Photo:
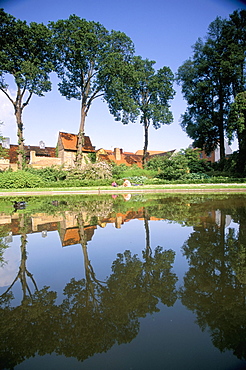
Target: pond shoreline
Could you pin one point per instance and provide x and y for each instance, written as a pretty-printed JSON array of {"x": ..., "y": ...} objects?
[{"x": 180, "y": 188}]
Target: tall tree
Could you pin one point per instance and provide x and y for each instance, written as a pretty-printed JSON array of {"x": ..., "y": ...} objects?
[
  {"x": 25, "y": 54},
  {"x": 89, "y": 60},
  {"x": 234, "y": 36},
  {"x": 205, "y": 89},
  {"x": 210, "y": 79},
  {"x": 149, "y": 93},
  {"x": 237, "y": 125}
]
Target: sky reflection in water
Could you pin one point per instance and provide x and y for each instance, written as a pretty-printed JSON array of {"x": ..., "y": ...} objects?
[{"x": 105, "y": 283}]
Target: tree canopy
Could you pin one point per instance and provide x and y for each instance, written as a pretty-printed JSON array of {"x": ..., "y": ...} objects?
[
  {"x": 148, "y": 95},
  {"x": 211, "y": 79},
  {"x": 89, "y": 61},
  {"x": 237, "y": 125},
  {"x": 25, "y": 54}
]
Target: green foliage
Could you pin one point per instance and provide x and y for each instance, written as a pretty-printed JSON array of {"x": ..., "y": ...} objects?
[
  {"x": 149, "y": 93},
  {"x": 99, "y": 170},
  {"x": 118, "y": 170},
  {"x": 131, "y": 171},
  {"x": 93, "y": 157},
  {"x": 237, "y": 119},
  {"x": 25, "y": 54},
  {"x": 49, "y": 174},
  {"x": 19, "y": 180},
  {"x": 237, "y": 126},
  {"x": 89, "y": 61},
  {"x": 26, "y": 58},
  {"x": 77, "y": 183},
  {"x": 3, "y": 151},
  {"x": 228, "y": 166},
  {"x": 195, "y": 164},
  {"x": 140, "y": 180},
  {"x": 170, "y": 168},
  {"x": 211, "y": 79},
  {"x": 197, "y": 176},
  {"x": 156, "y": 162},
  {"x": 180, "y": 166},
  {"x": 174, "y": 169},
  {"x": 92, "y": 171}
]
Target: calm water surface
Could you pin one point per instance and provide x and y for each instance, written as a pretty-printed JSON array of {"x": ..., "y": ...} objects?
[{"x": 113, "y": 282}]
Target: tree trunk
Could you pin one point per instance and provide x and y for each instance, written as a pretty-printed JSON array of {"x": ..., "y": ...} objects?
[
  {"x": 79, "y": 154},
  {"x": 241, "y": 164},
  {"x": 90, "y": 277},
  {"x": 221, "y": 125},
  {"x": 147, "y": 235},
  {"x": 21, "y": 152},
  {"x": 146, "y": 142}
]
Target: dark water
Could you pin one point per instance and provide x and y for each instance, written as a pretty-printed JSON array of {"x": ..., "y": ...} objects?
[{"x": 146, "y": 282}]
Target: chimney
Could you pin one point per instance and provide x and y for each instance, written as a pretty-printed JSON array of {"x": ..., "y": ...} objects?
[
  {"x": 32, "y": 156},
  {"x": 6, "y": 142},
  {"x": 117, "y": 153},
  {"x": 41, "y": 145}
]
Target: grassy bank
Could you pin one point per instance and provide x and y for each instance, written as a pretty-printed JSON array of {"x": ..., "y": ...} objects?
[{"x": 133, "y": 189}]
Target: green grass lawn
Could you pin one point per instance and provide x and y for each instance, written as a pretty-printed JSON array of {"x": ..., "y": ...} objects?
[{"x": 96, "y": 189}]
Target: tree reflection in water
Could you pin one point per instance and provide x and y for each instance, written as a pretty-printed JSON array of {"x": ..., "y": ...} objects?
[
  {"x": 94, "y": 315},
  {"x": 214, "y": 286}
]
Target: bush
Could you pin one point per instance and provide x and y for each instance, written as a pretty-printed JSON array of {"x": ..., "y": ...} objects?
[
  {"x": 179, "y": 165},
  {"x": 123, "y": 171},
  {"x": 19, "y": 180},
  {"x": 92, "y": 171},
  {"x": 76, "y": 183},
  {"x": 118, "y": 170},
  {"x": 137, "y": 179},
  {"x": 175, "y": 168},
  {"x": 197, "y": 176},
  {"x": 49, "y": 174},
  {"x": 228, "y": 165},
  {"x": 195, "y": 164},
  {"x": 156, "y": 163}
]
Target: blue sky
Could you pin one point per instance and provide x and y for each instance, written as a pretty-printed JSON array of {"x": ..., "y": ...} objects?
[{"x": 161, "y": 30}]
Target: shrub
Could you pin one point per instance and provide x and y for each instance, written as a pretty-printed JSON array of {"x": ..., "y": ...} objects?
[
  {"x": 179, "y": 165},
  {"x": 92, "y": 171},
  {"x": 195, "y": 164},
  {"x": 228, "y": 165},
  {"x": 132, "y": 171},
  {"x": 174, "y": 168},
  {"x": 118, "y": 170},
  {"x": 197, "y": 176},
  {"x": 49, "y": 174},
  {"x": 137, "y": 179},
  {"x": 19, "y": 180},
  {"x": 156, "y": 163},
  {"x": 78, "y": 183}
]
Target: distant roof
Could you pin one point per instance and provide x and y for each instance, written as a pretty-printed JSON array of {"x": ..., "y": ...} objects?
[
  {"x": 150, "y": 152},
  {"x": 72, "y": 235},
  {"x": 126, "y": 158},
  {"x": 69, "y": 142},
  {"x": 163, "y": 154},
  {"x": 45, "y": 152}
]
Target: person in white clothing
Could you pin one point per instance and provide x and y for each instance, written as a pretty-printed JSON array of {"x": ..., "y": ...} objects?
[{"x": 126, "y": 183}]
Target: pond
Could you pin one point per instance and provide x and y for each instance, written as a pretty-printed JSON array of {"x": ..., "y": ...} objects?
[{"x": 123, "y": 282}]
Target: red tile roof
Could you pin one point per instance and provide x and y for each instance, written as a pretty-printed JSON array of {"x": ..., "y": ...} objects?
[
  {"x": 69, "y": 142},
  {"x": 151, "y": 153},
  {"x": 45, "y": 152},
  {"x": 126, "y": 158},
  {"x": 72, "y": 235},
  {"x": 163, "y": 154}
]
